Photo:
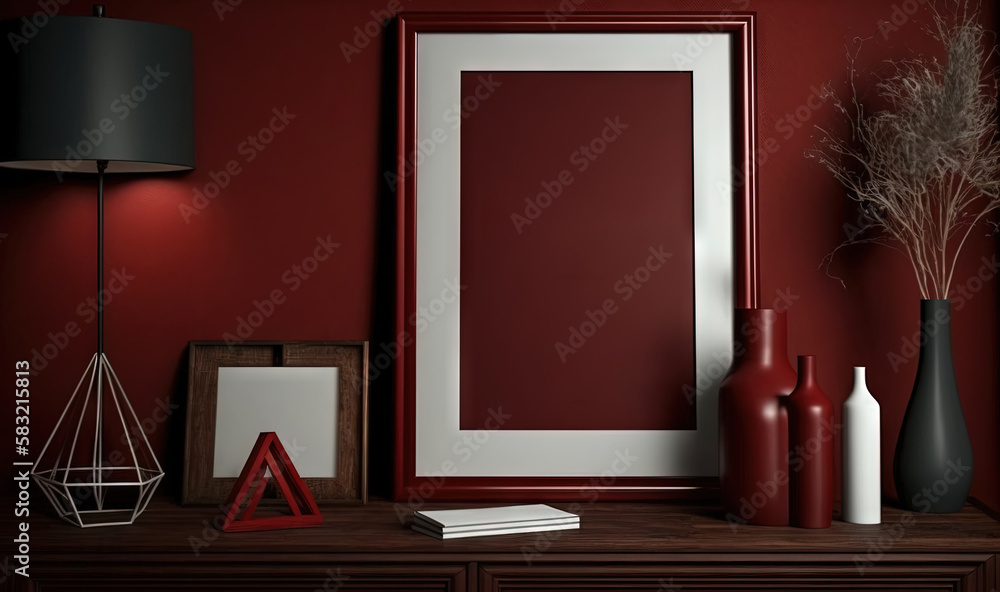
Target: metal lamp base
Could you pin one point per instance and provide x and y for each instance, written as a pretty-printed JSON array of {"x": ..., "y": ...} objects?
[{"x": 84, "y": 487}]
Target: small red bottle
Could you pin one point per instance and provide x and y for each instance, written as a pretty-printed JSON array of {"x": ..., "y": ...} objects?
[{"x": 810, "y": 450}]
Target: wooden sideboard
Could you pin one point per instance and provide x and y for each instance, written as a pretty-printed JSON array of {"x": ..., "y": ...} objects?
[{"x": 620, "y": 547}]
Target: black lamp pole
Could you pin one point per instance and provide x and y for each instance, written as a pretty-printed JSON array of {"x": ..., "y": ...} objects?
[{"x": 101, "y": 166}]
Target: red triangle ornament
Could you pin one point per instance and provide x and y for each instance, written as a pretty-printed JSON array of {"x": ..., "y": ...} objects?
[{"x": 268, "y": 453}]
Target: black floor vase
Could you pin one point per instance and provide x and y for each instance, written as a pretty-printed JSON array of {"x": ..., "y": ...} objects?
[{"x": 933, "y": 465}]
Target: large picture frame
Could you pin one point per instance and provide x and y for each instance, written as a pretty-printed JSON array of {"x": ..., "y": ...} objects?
[
  {"x": 346, "y": 424},
  {"x": 434, "y": 51}
]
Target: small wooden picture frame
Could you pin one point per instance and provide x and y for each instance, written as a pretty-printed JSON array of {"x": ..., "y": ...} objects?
[{"x": 348, "y": 420}]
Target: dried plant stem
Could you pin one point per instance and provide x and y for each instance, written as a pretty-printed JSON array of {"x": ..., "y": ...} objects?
[{"x": 926, "y": 169}]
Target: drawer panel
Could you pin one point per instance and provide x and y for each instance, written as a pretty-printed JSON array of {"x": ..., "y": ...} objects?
[
  {"x": 938, "y": 573},
  {"x": 250, "y": 577}
]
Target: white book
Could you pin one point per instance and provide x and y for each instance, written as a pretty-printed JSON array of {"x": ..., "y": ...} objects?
[
  {"x": 492, "y": 516},
  {"x": 450, "y": 524},
  {"x": 494, "y": 531},
  {"x": 424, "y": 523}
]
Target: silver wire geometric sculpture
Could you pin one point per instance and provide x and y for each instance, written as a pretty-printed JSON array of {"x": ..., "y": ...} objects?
[{"x": 86, "y": 488}]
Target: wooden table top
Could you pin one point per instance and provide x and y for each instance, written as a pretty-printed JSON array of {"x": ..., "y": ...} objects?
[{"x": 606, "y": 528}]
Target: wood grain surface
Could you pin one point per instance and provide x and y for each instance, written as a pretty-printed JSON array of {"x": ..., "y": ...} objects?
[
  {"x": 606, "y": 528},
  {"x": 620, "y": 547}
]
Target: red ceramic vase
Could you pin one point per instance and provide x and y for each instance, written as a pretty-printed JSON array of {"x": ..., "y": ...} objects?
[
  {"x": 753, "y": 429},
  {"x": 810, "y": 450}
]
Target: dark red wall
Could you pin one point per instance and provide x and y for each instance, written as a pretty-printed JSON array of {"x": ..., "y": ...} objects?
[{"x": 320, "y": 177}]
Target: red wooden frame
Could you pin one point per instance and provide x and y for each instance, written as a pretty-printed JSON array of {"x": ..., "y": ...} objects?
[
  {"x": 268, "y": 453},
  {"x": 742, "y": 26}
]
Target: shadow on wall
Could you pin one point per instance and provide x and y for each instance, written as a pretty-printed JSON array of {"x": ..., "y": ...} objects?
[{"x": 381, "y": 356}]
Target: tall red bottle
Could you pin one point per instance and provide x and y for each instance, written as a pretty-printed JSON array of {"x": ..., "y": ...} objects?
[
  {"x": 753, "y": 428},
  {"x": 810, "y": 450}
]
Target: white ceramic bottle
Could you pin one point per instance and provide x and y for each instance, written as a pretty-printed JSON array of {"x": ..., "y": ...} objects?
[{"x": 861, "y": 461}]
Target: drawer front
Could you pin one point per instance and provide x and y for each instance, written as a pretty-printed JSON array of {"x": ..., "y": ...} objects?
[
  {"x": 938, "y": 573},
  {"x": 219, "y": 577}
]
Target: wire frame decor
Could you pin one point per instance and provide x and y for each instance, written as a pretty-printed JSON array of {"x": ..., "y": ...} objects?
[{"x": 97, "y": 468}]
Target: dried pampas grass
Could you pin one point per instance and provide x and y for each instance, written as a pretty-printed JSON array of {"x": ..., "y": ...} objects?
[{"x": 925, "y": 170}]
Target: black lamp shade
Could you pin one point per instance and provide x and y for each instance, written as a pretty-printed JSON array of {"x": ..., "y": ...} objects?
[{"x": 84, "y": 89}]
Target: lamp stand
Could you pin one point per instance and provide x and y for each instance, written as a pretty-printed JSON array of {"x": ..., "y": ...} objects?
[
  {"x": 80, "y": 491},
  {"x": 102, "y": 165}
]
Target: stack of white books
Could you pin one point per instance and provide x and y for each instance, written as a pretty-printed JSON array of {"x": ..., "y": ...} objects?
[{"x": 456, "y": 524}]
